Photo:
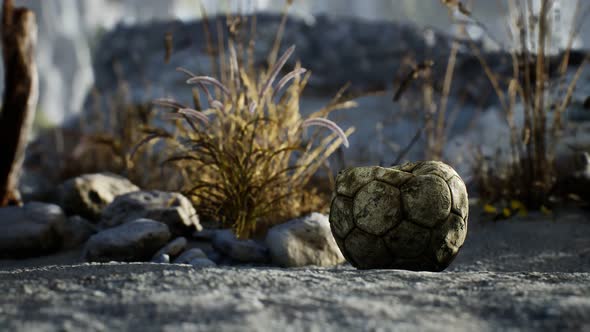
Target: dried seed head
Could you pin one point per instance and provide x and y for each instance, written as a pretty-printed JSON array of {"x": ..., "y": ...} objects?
[
  {"x": 209, "y": 81},
  {"x": 288, "y": 78},
  {"x": 276, "y": 69},
  {"x": 330, "y": 125},
  {"x": 195, "y": 115},
  {"x": 167, "y": 102}
]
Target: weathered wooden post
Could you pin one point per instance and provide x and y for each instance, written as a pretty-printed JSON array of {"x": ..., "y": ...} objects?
[{"x": 19, "y": 38}]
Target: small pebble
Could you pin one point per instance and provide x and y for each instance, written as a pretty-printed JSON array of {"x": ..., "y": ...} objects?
[
  {"x": 202, "y": 263},
  {"x": 189, "y": 255},
  {"x": 161, "y": 259},
  {"x": 172, "y": 249}
]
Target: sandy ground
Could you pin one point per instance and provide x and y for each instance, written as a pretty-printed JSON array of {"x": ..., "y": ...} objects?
[{"x": 522, "y": 274}]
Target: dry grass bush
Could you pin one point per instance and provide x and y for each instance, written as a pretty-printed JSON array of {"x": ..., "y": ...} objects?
[
  {"x": 541, "y": 100},
  {"x": 537, "y": 92},
  {"x": 242, "y": 149}
]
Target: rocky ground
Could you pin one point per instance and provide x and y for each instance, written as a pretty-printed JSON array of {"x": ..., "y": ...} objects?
[
  {"x": 174, "y": 298},
  {"x": 528, "y": 273}
]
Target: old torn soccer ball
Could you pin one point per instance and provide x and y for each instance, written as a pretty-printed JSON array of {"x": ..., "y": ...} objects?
[{"x": 411, "y": 217}]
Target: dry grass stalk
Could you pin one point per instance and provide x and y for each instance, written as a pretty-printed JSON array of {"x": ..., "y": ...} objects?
[
  {"x": 529, "y": 176},
  {"x": 245, "y": 155},
  {"x": 436, "y": 120}
]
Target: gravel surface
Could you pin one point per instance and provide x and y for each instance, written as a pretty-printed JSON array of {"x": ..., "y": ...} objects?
[
  {"x": 531, "y": 274},
  {"x": 150, "y": 297}
]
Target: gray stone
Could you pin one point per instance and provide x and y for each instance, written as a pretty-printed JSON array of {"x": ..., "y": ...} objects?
[
  {"x": 34, "y": 186},
  {"x": 173, "y": 248},
  {"x": 31, "y": 230},
  {"x": 134, "y": 241},
  {"x": 76, "y": 231},
  {"x": 243, "y": 251},
  {"x": 367, "y": 54},
  {"x": 202, "y": 263},
  {"x": 89, "y": 194},
  {"x": 217, "y": 257},
  {"x": 206, "y": 234},
  {"x": 302, "y": 242},
  {"x": 190, "y": 255},
  {"x": 173, "y": 209},
  {"x": 161, "y": 259}
]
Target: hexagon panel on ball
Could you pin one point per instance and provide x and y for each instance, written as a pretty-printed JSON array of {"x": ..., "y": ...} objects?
[{"x": 410, "y": 217}]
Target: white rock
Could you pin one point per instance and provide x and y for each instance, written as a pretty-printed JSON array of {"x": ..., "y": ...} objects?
[
  {"x": 161, "y": 259},
  {"x": 173, "y": 209},
  {"x": 190, "y": 255},
  {"x": 244, "y": 251},
  {"x": 89, "y": 194},
  {"x": 135, "y": 241},
  {"x": 31, "y": 230},
  {"x": 173, "y": 248},
  {"x": 302, "y": 242}
]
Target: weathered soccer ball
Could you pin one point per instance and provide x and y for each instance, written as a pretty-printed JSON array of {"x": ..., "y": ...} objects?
[{"x": 411, "y": 217}]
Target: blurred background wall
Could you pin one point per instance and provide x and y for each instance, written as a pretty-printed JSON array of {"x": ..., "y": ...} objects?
[{"x": 70, "y": 30}]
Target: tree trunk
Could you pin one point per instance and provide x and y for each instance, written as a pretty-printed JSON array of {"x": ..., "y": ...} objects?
[{"x": 19, "y": 37}]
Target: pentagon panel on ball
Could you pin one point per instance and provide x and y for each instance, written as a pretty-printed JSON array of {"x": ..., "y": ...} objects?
[{"x": 411, "y": 217}]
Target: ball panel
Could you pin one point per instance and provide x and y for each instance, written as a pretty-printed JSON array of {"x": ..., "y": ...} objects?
[
  {"x": 407, "y": 240},
  {"x": 459, "y": 196},
  {"x": 407, "y": 167},
  {"x": 455, "y": 229},
  {"x": 448, "y": 238},
  {"x": 444, "y": 255},
  {"x": 393, "y": 177},
  {"x": 437, "y": 168},
  {"x": 341, "y": 217},
  {"x": 377, "y": 208},
  {"x": 342, "y": 246},
  {"x": 426, "y": 200},
  {"x": 350, "y": 180},
  {"x": 367, "y": 251}
]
